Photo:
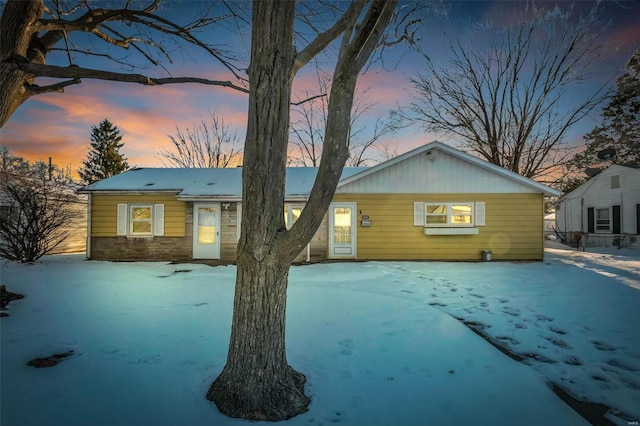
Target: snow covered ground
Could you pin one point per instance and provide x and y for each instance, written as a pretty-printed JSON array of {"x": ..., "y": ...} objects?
[{"x": 378, "y": 341}]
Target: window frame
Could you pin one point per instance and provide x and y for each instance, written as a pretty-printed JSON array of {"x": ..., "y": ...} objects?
[
  {"x": 599, "y": 227},
  {"x": 449, "y": 215},
  {"x": 131, "y": 221},
  {"x": 288, "y": 216}
]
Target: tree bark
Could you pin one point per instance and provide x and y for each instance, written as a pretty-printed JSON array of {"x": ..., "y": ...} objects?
[
  {"x": 17, "y": 37},
  {"x": 257, "y": 383}
]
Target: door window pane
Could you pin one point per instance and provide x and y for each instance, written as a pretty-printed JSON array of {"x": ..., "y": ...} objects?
[
  {"x": 207, "y": 225},
  {"x": 342, "y": 225}
]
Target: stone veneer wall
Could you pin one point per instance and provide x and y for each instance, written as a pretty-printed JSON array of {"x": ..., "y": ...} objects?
[{"x": 150, "y": 248}]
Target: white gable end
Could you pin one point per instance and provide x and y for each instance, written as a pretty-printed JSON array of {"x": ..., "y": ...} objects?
[{"x": 434, "y": 172}]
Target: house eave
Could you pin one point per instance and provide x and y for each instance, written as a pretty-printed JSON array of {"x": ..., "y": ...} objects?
[{"x": 129, "y": 192}]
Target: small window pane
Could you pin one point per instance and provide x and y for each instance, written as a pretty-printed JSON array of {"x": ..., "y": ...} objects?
[
  {"x": 295, "y": 214},
  {"x": 602, "y": 219},
  {"x": 615, "y": 181},
  {"x": 141, "y": 213},
  {"x": 141, "y": 227},
  {"x": 436, "y": 209},
  {"x": 431, "y": 220},
  {"x": 342, "y": 225},
  {"x": 461, "y": 214}
]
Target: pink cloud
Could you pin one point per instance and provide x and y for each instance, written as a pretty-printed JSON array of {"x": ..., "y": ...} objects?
[{"x": 144, "y": 115}]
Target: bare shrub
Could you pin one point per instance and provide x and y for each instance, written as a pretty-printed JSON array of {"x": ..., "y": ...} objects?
[{"x": 33, "y": 215}]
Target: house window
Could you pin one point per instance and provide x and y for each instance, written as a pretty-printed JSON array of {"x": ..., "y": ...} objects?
[
  {"x": 448, "y": 214},
  {"x": 615, "y": 181},
  {"x": 141, "y": 219},
  {"x": 603, "y": 219},
  {"x": 291, "y": 214}
]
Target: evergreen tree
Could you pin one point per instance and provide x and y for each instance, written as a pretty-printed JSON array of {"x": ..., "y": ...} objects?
[
  {"x": 620, "y": 128},
  {"x": 104, "y": 159}
]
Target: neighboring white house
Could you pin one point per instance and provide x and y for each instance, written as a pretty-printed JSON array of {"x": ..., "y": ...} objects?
[{"x": 605, "y": 210}]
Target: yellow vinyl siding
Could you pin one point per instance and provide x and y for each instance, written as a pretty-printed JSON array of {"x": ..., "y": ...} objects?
[
  {"x": 104, "y": 213},
  {"x": 513, "y": 230}
]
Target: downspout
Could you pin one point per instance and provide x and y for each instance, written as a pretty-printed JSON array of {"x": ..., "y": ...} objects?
[
  {"x": 582, "y": 214},
  {"x": 88, "y": 248}
]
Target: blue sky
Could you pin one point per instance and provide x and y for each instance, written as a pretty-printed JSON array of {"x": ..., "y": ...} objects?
[{"x": 59, "y": 125}]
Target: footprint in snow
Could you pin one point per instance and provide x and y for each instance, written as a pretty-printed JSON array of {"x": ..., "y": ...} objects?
[
  {"x": 557, "y": 342},
  {"x": 603, "y": 346},
  {"x": 572, "y": 360},
  {"x": 557, "y": 330},
  {"x": 543, "y": 318},
  {"x": 508, "y": 339},
  {"x": 511, "y": 311},
  {"x": 621, "y": 365},
  {"x": 347, "y": 346}
]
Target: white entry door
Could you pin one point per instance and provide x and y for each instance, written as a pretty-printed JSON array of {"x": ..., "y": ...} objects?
[
  {"x": 206, "y": 230},
  {"x": 342, "y": 231}
]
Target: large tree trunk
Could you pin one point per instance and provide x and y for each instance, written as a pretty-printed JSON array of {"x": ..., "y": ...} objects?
[
  {"x": 257, "y": 382},
  {"x": 19, "y": 19}
]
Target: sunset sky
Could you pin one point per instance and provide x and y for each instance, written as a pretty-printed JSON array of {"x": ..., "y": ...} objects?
[{"x": 59, "y": 125}]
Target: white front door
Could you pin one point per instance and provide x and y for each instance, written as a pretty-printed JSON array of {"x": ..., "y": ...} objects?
[
  {"x": 206, "y": 230},
  {"x": 342, "y": 231}
]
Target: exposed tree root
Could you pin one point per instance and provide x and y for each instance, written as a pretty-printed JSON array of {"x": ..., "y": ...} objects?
[{"x": 255, "y": 400}]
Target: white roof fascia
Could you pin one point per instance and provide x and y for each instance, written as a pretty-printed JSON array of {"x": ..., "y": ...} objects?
[
  {"x": 212, "y": 198},
  {"x": 129, "y": 192},
  {"x": 460, "y": 155}
]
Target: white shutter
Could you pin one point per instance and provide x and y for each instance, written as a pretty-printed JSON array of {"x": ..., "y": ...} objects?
[
  {"x": 123, "y": 219},
  {"x": 479, "y": 214},
  {"x": 418, "y": 214},
  {"x": 158, "y": 220}
]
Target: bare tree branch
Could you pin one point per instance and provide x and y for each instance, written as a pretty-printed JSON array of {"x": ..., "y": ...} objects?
[
  {"x": 77, "y": 72},
  {"x": 204, "y": 145},
  {"x": 29, "y": 31},
  {"x": 505, "y": 100}
]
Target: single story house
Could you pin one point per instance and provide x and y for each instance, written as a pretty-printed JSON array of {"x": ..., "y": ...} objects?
[
  {"x": 434, "y": 202},
  {"x": 604, "y": 211}
]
